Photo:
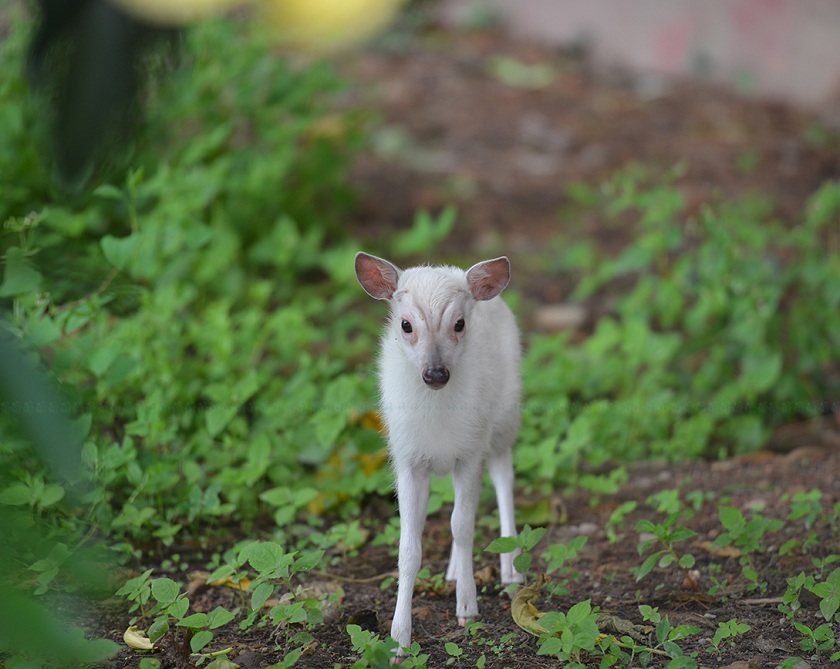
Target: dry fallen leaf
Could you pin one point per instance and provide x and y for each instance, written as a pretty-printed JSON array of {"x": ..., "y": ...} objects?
[
  {"x": 137, "y": 639},
  {"x": 523, "y": 608},
  {"x": 722, "y": 551},
  {"x": 487, "y": 575},
  {"x": 610, "y": 624},
  {"x": 198, "y": 581}
]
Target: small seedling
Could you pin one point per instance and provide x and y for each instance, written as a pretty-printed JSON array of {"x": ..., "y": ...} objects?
[
  {"x": 726, "y": 634},
  {"x": 667, "y": 534}
]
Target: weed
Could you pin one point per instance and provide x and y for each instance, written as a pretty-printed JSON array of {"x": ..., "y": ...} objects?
[
  {"x": 616, "y": 519},
  {"x": 727, "y": 634},
  {"x": 667, "y": 534}
]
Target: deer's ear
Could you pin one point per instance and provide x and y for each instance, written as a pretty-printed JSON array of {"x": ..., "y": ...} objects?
[
  {"x": 489, "y": 278},
  {"x": 378, "y": 277}
]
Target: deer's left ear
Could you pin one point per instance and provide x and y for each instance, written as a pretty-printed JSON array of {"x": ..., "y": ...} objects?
[{"x": 488, "y": 278}]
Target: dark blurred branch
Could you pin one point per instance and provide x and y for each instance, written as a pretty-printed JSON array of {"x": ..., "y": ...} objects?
[{"x": 88, "y": 53}]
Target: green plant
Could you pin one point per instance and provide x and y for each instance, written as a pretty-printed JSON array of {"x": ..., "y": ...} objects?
[
  {"x": 707, "y": 348},
  {"x": 558, "y": 557},
  {"x": 170, "y": 611},
  {"x": 425, "y": 233},
  {"x": 570, "y": 634},
  {"x": 617, "y": 517},
  {"x": 524, "y": 542},
  {"x": 748, "y": 537},
  {"x": 726, "y": 633},
  {"x": 667, "y": 534},
  {"x": 376, "y": 653}
]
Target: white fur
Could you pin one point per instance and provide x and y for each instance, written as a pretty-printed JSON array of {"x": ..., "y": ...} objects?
[{"x": 472, "y": 418}]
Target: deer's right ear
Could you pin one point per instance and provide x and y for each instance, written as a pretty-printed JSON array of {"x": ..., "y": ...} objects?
[{"x": 378, "y": 277}]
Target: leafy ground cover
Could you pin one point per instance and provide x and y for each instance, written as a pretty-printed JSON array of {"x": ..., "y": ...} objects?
[{"x": 198, "y": 309}]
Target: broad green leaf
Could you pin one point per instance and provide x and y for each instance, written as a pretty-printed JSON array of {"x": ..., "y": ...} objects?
[
  {"x": 52, "y": 494},
  {"x": 200, "y": 639},
  {"x": 17, "y": 494},
  {"x": 503, "y": 545},
  {"x": 218, "y": 617},
  {"x": 270, "y": 560},
  {"x": 731, "y": 518},
  {"x": 118, "y": 250},
  {"x": 195, "y": 621},
  {"x": 260, "y": 595},
  {"x": 42, "y": 331},
  {"x": 158, "y": 628},
  {"x": 580, "y": 611},
  {"x": 528, "y": 537},
  {"x": 165, "y": 590},
  {"x": 307, "y": 561},
  {"x": 178, "y": 608},
  {"x": 522, "y": 563},
  {"x": 19, "y": 276},
  {"x": 453, "y": 649}
]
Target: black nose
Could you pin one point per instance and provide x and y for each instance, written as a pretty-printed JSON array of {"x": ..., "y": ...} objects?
[{"x": 436, "y": 377}]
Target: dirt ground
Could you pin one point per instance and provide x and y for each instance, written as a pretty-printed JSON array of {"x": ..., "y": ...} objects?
[{"x": 452, "y": 132}]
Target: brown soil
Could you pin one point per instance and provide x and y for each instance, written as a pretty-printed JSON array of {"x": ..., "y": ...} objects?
[{"x": 505, "y": 156}]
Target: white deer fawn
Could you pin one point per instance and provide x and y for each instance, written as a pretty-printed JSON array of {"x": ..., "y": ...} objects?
[{"x": 449, "y": 373}]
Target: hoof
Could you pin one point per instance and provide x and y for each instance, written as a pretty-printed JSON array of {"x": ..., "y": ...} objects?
[{"x": 462, "y": 621}]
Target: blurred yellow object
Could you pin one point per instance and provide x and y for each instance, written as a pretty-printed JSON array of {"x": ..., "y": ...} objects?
[
  {"x": 327, "y": 26},
  {"x": 175, "y": 12}
]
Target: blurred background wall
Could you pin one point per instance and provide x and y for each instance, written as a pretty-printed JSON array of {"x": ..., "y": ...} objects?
[{"x": 779, "y": 48}]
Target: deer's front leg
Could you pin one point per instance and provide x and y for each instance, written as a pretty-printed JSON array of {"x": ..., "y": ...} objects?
[
  {"x": 413, "y": 500},
  {"x": 466, "y": 480},
  {"x": 501, "y": 473}
]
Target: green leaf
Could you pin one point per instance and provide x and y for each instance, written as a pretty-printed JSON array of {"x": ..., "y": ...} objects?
[
  {"x": 553, "y": 622},
  {"x": 687, "y": 561},
  {"x": 52, "y": 494},
  {"x": 270, "y": 560},
  {"x": 157, "y": 629},
  {"x": 19, "y": 277},
  {"x": 550, "y": 646},
  {"x": 260, "y": 595},
  {"x": 118, "y": 250},
  {"x": 42, "y": 331},
  {"x": 17, "y": 494},
  {"x": 522, "y": 563},
  {"x": 648, "y": 565},
  {"x": 453, "y": 649},
  {"x": 307, "y": 561},
  {"x": 731, "y": 518},
  {"x": 528, "y": 538},
  {"x": 178, "y": 608},
  {"x": 109, "y": 192},
  {"x": 579, "y": 611},
  {"x": 503, "y": 545},
  {"x": 195, "y": 621},
  {"x": 165, "y": 590},
  {"x": 200, "y": 640},
  {"x": 218, "y": 617}
]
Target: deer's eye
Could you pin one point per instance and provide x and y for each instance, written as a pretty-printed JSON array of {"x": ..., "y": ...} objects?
[
  {"x": 459, "y": 325},
  {"x": 406, "y": 327}
]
